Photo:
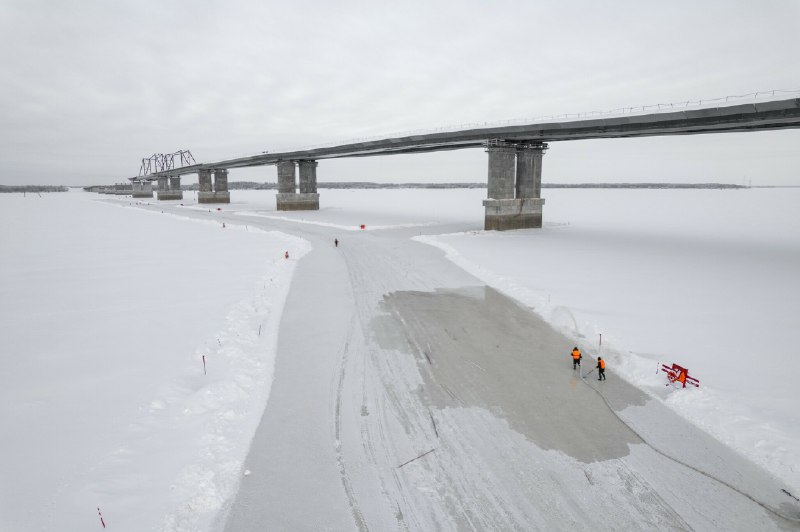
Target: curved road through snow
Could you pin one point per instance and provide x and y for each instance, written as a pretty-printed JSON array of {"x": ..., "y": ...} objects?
[{"x": 410, "y": 396}]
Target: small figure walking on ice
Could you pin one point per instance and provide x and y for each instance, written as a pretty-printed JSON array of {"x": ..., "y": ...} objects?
[
  {"x": 286, "y": 255},
  {"x": 576, "y": 357},
  {"x": 601, "y": 369},
  {"x": 336, "y": 242}
]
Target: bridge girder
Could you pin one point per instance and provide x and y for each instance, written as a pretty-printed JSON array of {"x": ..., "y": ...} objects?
[{"x": 783, "y": 114}]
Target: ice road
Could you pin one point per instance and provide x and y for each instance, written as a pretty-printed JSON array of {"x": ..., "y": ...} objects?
[{"x": 408, "y": 395}]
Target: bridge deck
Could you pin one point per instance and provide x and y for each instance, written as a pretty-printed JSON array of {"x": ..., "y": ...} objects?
[{"x": 737, "y": 118}]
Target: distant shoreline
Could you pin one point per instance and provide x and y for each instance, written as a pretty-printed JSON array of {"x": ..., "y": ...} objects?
[
  {"x": 244, "y": 185},
  {"x": 32, "y": 188},
  {"x": 251, "y": 185}
]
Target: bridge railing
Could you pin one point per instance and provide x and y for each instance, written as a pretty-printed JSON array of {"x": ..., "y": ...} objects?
[
  {"x": 722, "y": 101},
  {"x": 620, "y": 111}
]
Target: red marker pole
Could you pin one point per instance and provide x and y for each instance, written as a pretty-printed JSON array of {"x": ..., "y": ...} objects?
[
  {"x": 101, "y": 518},
  {"x": 204, "y": 365}
]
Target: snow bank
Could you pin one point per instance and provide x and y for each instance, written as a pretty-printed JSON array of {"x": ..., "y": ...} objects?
[{"x": 107, "y": 316}]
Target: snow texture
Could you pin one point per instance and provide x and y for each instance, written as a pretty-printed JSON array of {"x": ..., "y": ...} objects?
[
  {"x": 107, "y": 314},
  {"x": 109, "y": 306}
]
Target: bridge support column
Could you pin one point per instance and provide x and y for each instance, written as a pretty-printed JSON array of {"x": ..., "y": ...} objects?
[
  {"x": 165, "y": 190},
  {"x": 514, "y": 186},
  {"x": 308, "y": 198},
  {"x": 204, "y": 181},
  {"x": 288, "y": 199},
  {"x": 175, "y": 187},
  {"x": 502, "y": 158},
  {"x": 142, "y": 189},
  {"x": 169, "y": 188},
  {"x": 220, "y": 193},
  {"x": 538, "y": 149},
  {"x": 308, "y": 176}
]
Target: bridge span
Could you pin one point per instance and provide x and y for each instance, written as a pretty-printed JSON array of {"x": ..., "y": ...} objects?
[{"x": 515, "y": 156}]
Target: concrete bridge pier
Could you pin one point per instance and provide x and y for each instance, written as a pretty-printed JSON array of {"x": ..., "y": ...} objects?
[
  {"x": 123, "y": 189},
  {"x": 219, "y": 192},
  {"x": 142, "y": 189},
  {"x": 288, "y": 199},
  {"x": 169, "y": 188},
  {"x": 514, "y": 185}
]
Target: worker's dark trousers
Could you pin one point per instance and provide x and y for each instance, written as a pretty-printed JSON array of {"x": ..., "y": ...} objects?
[
  {"x": 602, "y": 374},
  {"x": 576, "y": 362}
]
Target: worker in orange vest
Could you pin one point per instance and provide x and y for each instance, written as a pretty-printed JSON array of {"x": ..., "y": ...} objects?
[
  {"x": 601, "y": 369},
  {"x": 576, "y": 357}
]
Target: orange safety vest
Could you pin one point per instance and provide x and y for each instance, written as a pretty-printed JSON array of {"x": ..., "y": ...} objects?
[
  {"x": 602, "y": 364},
  {"x": 576, "y": 354}
]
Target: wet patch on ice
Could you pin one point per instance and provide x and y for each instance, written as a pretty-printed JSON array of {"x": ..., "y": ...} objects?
[{"x": 477, "y": 347}]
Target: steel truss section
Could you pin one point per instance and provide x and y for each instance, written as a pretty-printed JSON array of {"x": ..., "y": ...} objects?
[{"x": 161, "y": 162}]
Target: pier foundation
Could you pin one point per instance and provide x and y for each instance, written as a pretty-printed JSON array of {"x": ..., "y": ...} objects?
[
  {"x": 123, "y": 189},
  {"x": 514, "y": 185},
  {"x": 142, "y": 189},
  {"x": 169, "y": 188},
  {"x": 287, "y": 198},
  {"x": 219, "y": 193}
]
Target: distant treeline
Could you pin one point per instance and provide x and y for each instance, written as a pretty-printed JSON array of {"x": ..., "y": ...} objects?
[
  {"x": 250, "y": 185},
  {"x": 32, "y": 188}
]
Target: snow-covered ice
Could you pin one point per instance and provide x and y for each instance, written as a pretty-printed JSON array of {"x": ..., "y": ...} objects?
[
  {"x": 107, "y": 312},
  {"x": 108, "y": 307}
]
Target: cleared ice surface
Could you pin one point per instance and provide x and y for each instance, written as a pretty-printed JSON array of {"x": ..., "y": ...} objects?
[
  {"x": 412, "y": 397},
  {"x": 704, "y": 278}
]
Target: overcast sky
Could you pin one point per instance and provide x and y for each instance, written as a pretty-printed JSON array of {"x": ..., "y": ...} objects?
[{"x": 90, "y": 88}]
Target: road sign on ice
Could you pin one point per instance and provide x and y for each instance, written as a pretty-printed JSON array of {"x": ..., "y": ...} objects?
[{"x": 680, "y": 375}]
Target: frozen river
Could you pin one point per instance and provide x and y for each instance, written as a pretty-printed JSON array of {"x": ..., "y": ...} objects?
[{"x": 406, "y": 390}]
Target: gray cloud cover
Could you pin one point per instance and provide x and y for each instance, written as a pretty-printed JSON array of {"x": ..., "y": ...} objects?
[{"x": 89, "y": 88}]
